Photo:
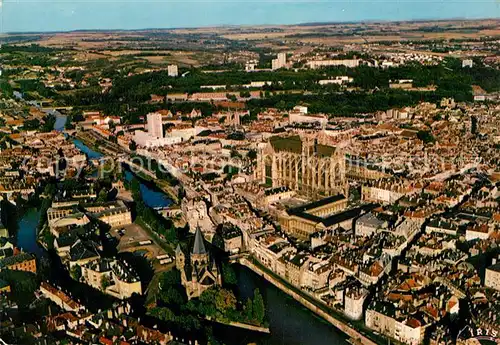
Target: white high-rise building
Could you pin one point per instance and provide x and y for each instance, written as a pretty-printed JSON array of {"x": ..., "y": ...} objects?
[
  {"x": 279, "y": 62},
  {"x": 172, "y": 70},
  {"x": 282, "y": 58},
  {"x": 154, "y": 125}
]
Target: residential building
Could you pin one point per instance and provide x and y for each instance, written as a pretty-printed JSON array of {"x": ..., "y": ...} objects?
[
  {"x": 368, "y": 224},
  {"x": 113, "y": 213},
  {"x": 296, "y": 117},
  {"x": 155, "y": 125},
  {"x": 306, "y": 222},
  {"x": 354, "y": 300},
  {"x": 279, "y": 62},
  {"x": 20, "y": 262},
  {"x": 172, "y": 71},
  {"x": 381, "y": 317},
  {"x": 60, "y": 298},
  {"x": 4, "y": 287},
  {"x": 467, "y": 63},
  {"x": 113, "y": 277},
  {"x": 492, "y": 276},
  {"x": 351, "y": 63}
]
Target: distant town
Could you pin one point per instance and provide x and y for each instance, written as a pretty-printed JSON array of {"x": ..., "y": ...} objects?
[{"x": 307, "y": 184}]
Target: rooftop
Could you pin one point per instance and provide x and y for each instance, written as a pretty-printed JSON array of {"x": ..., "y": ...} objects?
[{"x": 16, "y": 259}]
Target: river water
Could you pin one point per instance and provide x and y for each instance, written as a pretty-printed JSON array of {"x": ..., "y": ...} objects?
[
  {"x": 27, "y": 232},
  {"x": 91, "y": 154},
  {"x": 152, "y": 196},
  {"x": 60, "y": 121},
  {"x": 28, "y": 222},
  {"x": 289, "y": 322}
]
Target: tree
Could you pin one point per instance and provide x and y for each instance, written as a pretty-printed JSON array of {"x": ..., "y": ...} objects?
[
  {"x": 426, "y": 137},
  {"x": 76, "y": 272},
  {"x": 225, "y": 301},
  {"x": 69, "y": 123},
  {"x": 473, "y": 127},
  {"x": 105, "y": 282},
  {"x": 228, "y": 275},
  {"x": 23, "y": 286},
  {"x": 48, "y": 124},
  {"x": 163, "y": 313},
  {"x": 171, "y": 234},
  {"x": 135, "y": 187},
  {"x": 77, "y": 115},
  {"x": 171, "y": 296},
  {"x": 252, "y": 154},
  {"x": 258, "y": 308},
  {"x": 103, "y": 195},
  {"x": 248, "y": 309},
  {"x": 245, "y": 94},
  {"x": 171, "y": 291},
  {"x": 31, "y": 124},
  {"x": 235, "y": 154}
]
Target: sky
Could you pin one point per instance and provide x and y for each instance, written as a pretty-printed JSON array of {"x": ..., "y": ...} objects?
[{"x": 66, "y": 15}]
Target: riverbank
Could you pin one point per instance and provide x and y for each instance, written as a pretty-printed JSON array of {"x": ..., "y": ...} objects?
[
  {"x": 242, "y": 325},
  {"x": 160, "y": 184},
  {"x": 91, "y": 154},
  {"x": 165, "y": 187},
  {"x": 306, "y": 301},
  {"x": 93, "y": 140}
]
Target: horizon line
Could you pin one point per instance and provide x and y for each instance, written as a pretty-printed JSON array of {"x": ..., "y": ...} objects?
[{"x": 319, "y": 23}]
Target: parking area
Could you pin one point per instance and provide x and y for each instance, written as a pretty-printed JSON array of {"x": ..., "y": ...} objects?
[{"x": 133, "y": 238}]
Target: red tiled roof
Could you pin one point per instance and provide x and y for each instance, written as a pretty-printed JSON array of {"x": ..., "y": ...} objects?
[{"x": 105, "y": 341}]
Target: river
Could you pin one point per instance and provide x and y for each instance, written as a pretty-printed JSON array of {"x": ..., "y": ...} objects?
[
  {"x": 28, "y": 223},
  {"x": 91, "y": 154},
  {"x": 60, "y": 121},
  {"x": 152, "y": 196},
  {"x": 290, "y": 323},
  {"x": 27, "y": 232}
]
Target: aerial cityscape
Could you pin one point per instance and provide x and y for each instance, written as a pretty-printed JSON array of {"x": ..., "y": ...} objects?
[{"x": 319, "y": 182}]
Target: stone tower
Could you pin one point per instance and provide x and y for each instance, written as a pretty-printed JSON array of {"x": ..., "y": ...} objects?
[
  {"x": 199, "y": 255},
  {"x": 180, "y": 258}
]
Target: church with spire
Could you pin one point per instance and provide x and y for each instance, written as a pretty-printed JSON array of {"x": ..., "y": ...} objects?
[{"x": 199, "y": 272}]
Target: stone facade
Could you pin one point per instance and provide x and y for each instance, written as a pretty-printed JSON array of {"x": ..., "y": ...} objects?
[
  {"x": 303, "y": 165},
  {"x": 492, "y": 277},
  {"x": 199, "y": 273}
]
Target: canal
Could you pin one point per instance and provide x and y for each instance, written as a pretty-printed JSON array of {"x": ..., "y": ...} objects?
[{"x": 290, "y": 323}]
